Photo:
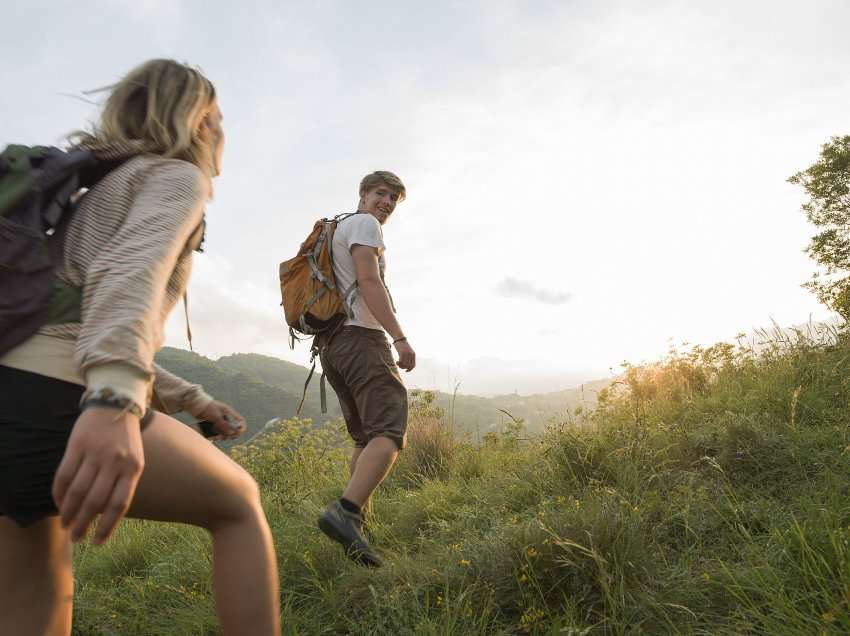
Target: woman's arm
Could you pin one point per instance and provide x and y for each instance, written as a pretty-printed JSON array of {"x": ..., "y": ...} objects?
[
  {"x": 176, "y": 394},
  {"x": 124, "y": 287}
]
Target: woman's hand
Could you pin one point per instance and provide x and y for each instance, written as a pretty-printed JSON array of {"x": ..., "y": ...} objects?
[
  {"x": 99, "y": 472},
  {"x": 227, "y": 420}
]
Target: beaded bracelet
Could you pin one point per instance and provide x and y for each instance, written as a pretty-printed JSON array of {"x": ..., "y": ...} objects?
[{"x": 107, "y": 397}]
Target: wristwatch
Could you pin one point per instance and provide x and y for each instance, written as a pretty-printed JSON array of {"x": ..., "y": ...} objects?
[{"x": 109, "y": 398}]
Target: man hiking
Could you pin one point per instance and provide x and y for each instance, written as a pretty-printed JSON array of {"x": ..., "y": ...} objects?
[{"x": 358, "y": 361}]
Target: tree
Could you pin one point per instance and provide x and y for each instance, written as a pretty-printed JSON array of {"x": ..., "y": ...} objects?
[{"x": 827, "y": 183}]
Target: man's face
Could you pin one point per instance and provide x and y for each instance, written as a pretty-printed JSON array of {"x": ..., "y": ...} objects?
[{"x": 380, "y": 202}]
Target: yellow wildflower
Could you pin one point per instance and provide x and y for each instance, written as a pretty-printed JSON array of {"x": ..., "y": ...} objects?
[
  {"x": 529, "y": 618},
  {"x": 464, "y": 562}
]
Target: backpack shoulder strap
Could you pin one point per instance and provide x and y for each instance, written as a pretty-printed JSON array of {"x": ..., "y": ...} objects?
[
  {"x": 16, "y": 176},
  {"x": 345, "y": 215}
]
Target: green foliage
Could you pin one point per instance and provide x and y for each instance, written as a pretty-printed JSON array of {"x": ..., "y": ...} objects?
[
  {"x": 827, "y": 184},
  {"x": 709, "y": 497},
  {"x": 430, "y": 444},
  {"x": 289, "y": 460}
]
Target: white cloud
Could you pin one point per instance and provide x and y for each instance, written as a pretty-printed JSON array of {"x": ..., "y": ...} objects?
[{"x": 513, "y": 288}]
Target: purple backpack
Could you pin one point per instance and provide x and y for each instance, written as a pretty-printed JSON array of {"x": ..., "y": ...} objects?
[{"x": 37, "y": 194}]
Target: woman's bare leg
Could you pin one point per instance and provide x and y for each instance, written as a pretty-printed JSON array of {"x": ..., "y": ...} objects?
[
  {"x": 36, "y": 583},
  {"x": 186, "y": 479}
]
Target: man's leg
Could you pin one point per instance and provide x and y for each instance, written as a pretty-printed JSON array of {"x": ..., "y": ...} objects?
[
  {"x": 354, "y": 457},
  {"x": 369, "y": 468},
  {"x": 365, "y": 509},
  {"x": 381, "y": 403},
  {"x": 342, "y": 520},
  {"x": 373, "y": 399}
]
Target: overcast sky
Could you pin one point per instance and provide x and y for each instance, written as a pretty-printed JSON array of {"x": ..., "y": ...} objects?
[{"x": 587, "y": 181}]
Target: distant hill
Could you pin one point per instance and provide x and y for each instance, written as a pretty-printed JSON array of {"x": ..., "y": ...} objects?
[
  {"x": 275, "y": 372},
  {"x": 259, "y": 387},
  {"x": 479, "y": 415},
  {"x": 262, "y": 387}
]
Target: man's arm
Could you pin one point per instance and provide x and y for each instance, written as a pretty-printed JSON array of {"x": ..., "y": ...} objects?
[{"x": 375, "y": 296}]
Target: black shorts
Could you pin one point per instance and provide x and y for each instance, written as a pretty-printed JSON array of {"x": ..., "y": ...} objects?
[{"x": 37, "y": 414}]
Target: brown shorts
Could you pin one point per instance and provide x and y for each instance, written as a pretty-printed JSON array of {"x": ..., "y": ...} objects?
[{"x": 359, "y": 364}]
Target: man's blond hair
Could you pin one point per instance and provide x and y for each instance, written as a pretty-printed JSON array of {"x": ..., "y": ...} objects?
[
  {"x": 383, "y": 177},
  {"x": 158, "y": 107}
]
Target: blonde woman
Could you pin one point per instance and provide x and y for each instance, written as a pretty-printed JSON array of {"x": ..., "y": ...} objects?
[{"x": 77, "y": 436}]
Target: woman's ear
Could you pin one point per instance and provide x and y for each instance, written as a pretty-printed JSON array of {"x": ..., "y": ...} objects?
[{"x": 204, "y": 128}]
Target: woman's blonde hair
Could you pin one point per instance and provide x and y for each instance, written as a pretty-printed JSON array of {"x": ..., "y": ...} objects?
[{"x": 158, "y": 107}]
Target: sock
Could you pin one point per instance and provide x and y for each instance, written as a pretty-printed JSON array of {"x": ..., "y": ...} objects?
[{"x": 350, "y": 506}]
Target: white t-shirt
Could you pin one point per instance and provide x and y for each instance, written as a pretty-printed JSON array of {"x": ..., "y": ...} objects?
[{"x": 359, "y": 229}]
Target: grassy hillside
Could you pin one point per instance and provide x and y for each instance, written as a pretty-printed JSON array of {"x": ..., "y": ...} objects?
[
  {"x": 709, "y": 496},
  {"x": 262, "y": 387}
]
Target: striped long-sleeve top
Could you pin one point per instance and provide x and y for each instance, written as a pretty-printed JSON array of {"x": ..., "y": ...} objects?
[{"x": 129, "y": 248}]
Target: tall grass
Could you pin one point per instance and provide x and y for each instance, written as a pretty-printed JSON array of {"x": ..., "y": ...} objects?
[{"x": 709, "y": 497}]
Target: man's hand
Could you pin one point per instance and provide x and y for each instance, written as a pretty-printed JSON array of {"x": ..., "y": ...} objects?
[
  {"x": 406, "y": 355},
  {"x": 227, "y": 420},
  {"x": 99, "y": 472}
]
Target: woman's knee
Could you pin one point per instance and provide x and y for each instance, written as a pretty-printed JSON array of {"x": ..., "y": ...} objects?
[
  {"x": 240, "y": 501},
  {"x": 248, "y": 489}
]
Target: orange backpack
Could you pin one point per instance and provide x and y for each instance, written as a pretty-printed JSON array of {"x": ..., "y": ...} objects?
[{"x": 312, "y": 303}]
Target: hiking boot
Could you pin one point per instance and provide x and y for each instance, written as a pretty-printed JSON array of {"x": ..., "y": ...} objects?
[{"x": 345, "y": 528}]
